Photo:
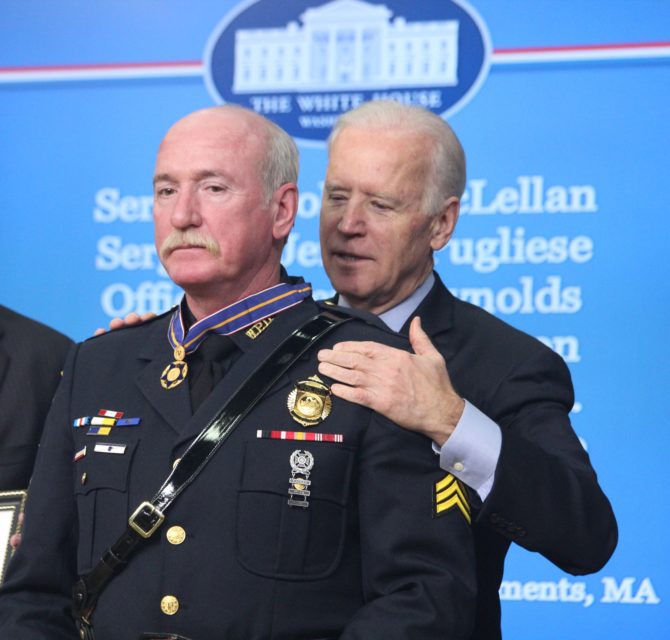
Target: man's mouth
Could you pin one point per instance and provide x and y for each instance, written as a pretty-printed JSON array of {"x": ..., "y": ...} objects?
[
  {"x": 181, "y": 247},
  {"x": 187, "y": 246},
  {"x": 347, "y": 257}
]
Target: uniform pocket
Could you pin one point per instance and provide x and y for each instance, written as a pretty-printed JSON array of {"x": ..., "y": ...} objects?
[
  {"x": 101, "y": 490},
  {"x": 276, "y": 540}
]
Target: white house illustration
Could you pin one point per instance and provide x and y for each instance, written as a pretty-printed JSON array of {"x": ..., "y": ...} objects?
[{"x": 346, "y": 44}]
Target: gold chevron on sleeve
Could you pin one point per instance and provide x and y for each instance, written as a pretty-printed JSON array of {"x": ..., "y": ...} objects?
[{"x": 449, "y": 495}]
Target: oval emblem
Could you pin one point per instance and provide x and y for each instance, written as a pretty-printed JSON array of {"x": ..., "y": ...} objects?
[{"x": 303, "y": 63}]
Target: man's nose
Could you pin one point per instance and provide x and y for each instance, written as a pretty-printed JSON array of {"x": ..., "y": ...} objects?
[
  {"x": 186, "y": 211},
  {"x": 352, "y": 221}
]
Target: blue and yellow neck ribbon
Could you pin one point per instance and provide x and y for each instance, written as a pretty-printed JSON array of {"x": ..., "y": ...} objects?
[{"x": 226, "y": 321}]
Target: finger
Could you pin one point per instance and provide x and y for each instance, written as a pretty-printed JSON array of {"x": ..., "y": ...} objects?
[
  {"x": 347, "y": 376},
  {"x": 99, "y": 331},
  {"x": 354, "y": 394},
  {"x": 347, "y": 359},
  {"x": 15, "y": 541},
  {"x": 116, "y": 323},
  {"x": 418, "y": 338},
  {"x": 132, "y": 318},
  {"x": 363, "y": 347},
  {"x": 147, "y": 316}
]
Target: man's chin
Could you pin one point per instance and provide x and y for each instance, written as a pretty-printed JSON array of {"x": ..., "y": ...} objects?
[
  {"x": 351, "y": 288},
  {"x": 189, "y": 278}
]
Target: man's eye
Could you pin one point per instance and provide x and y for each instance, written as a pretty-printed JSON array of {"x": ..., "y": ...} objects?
[
  {"x": 165, "y": 191},
  {"x": 380, "y": 206}
]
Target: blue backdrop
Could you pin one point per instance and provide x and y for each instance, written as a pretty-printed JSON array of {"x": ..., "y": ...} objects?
[{"x": 562, "y": 109}]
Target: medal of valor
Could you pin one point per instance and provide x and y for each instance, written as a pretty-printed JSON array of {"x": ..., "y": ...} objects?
[
  {"x": 255, "y": 310},
  {"x": 301, "y": 465},
  {"x": 310, "y": 402},
  {"x": 175, "y": 373}
]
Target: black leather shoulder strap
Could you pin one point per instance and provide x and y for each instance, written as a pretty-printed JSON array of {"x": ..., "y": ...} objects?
[{"x": 149, "y": 515}]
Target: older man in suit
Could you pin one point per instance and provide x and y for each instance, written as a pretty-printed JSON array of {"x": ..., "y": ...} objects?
[{"x": 498, "y": 409}]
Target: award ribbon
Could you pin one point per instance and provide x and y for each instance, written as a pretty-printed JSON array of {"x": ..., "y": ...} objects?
[{"x": 226, "y": 321}]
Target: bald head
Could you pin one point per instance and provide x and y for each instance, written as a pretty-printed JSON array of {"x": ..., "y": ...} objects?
[{"x": 273, "y": 151}]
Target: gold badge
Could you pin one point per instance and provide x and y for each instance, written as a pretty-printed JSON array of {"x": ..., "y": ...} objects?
[{"x": 310, "y": 402}]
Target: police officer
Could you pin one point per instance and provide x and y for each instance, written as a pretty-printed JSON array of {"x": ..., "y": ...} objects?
[{"x": 315, "y": 517}]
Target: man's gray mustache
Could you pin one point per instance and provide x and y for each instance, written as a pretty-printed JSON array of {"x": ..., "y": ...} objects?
[{"x": 189, "y": 238}]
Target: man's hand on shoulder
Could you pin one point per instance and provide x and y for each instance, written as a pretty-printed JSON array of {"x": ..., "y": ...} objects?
[
  {"x": 119, "y": 323},
  {"x": 411, "y": 389}
]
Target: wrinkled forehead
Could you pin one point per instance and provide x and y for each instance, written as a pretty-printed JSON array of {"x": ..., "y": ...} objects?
[
  {"x": 379, "y": 153},
  {"x": 410, "y": 139},
  {"x": 218, "y": 127}
]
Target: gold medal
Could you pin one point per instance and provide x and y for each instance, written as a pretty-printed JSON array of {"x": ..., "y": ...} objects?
[
  {"x": 254, "y": 313},
  {"x": 174, "y": 374},
  {"x": 310, "y": 402}
]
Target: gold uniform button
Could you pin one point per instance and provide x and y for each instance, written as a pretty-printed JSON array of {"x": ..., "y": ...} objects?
[
  {"x": 169, "y": 605},
  {"x": 84, "y": 477},
  {"x": 176, "y": 462},
  {"x": 176, "y": 535}
]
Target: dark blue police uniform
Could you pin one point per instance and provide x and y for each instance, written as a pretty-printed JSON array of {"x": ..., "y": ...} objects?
[{"x": 370, "y": 556}]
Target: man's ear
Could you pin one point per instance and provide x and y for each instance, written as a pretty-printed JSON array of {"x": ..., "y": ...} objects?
[
  {"x": 284, "y": 210},
  {"x": 444, "y": 223}
]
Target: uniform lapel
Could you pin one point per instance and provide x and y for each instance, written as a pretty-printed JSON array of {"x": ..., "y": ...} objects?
[
  {"x": 436, "y": 310},
  {"x": 174, "y": 405}
]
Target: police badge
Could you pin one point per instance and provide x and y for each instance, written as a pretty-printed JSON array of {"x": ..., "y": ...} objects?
[{"x": 310, "y": 402}]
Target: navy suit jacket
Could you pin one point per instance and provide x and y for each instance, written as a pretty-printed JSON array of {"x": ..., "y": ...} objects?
[
  {"x": 369, "y": 558},
  {"x": 545, "y": 496},
  {"x": 31, "y": 359}
]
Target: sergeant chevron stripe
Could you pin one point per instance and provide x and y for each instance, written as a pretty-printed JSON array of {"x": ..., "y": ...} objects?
[{"x": 450, "y": 494}]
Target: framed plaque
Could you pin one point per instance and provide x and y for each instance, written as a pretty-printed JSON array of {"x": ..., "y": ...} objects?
[{"x": 11, "y": 505}]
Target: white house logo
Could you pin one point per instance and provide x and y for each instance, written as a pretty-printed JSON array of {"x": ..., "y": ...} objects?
[{"x": 302, "y": 63}]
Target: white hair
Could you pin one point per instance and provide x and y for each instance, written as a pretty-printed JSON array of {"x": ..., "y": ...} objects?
[{"x": 446, "y": 177}]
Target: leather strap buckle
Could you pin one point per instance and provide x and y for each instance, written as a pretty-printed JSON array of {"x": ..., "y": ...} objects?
[
  {"x": 146, "y": 519},
  {"x": 85, "y": 630}
]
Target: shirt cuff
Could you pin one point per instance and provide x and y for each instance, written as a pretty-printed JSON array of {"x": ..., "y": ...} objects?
[{"x": 471, "y": 453}]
